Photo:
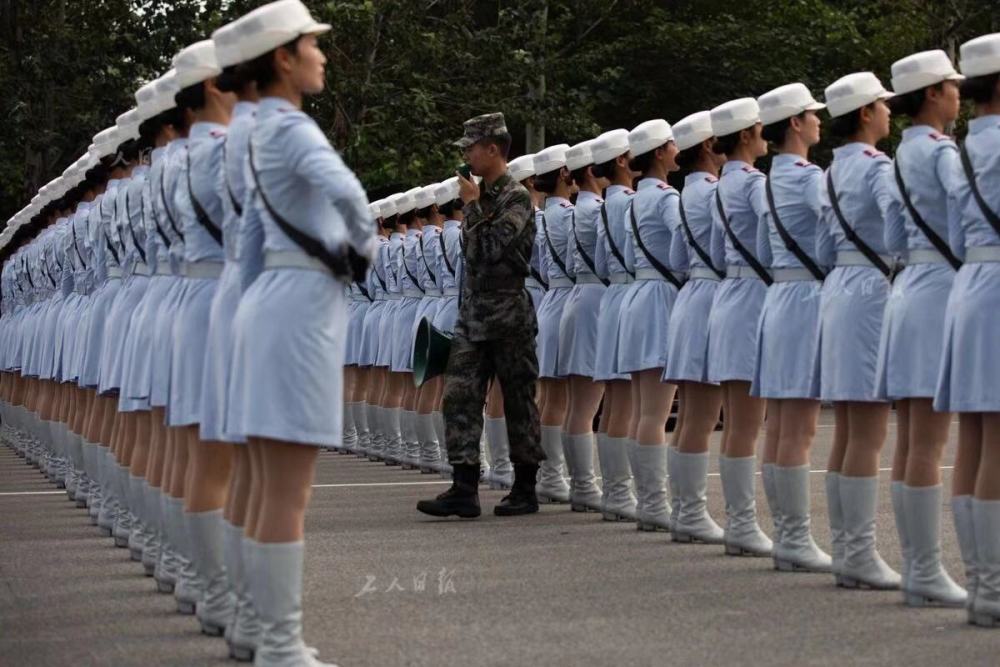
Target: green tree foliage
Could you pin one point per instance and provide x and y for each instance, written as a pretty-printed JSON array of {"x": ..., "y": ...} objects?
[{"x": 403, "y": 74}]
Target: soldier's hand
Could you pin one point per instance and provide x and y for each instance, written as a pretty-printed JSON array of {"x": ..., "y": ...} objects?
[{"x": 468, "y": 189}]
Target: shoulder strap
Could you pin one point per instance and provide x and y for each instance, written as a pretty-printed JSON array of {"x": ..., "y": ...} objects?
[
  {"x": 166, "y": 205},
  {"x": 698, "y": 250},
  {"x": 381, "y": 280},
  {"x": 427, "y": 266},
  {"x": 76, "y": 246},
  {"x": 747, "y": 256},
  {"x": 657, "y": 264},
  {"x": 611, "y": 240},
  {"x": 406, "y": 267},
  {"x": 199, "y": 210},
  {"x": 338, "y": 264},
  {"x": 552, "y": 250},
  {"x": 444, "y": 254},
  {"x": 970, "y": 174},
  {"x": 583, "y": 253},
  {"x": 790, "y": 243},
  {"x": 107, "y": 237},
  {"x": 851, "y": 235},
  {"x": 225, "y": 177},
  {"x": 131, "y": 229},
  {"x": 939, "y": 243}
]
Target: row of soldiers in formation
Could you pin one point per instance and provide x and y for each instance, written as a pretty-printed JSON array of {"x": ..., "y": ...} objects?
[{"x": 174, "y": 355}]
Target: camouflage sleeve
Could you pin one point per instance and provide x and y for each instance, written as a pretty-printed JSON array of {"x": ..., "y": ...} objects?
[{"x": 511, "y": 214}]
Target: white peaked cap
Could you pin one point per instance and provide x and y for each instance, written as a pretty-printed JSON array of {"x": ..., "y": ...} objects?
[
  {"x": 424, "y": 197},
  {"x": 268, "y": 27},
  {"x": 609, "y": 145},
  {"x": 786, "y": 101},
  {"x": 375, "y": 208},
  {"x": 402, "y": 201},
  {"x": 550, "y": 159},
  {"x": 580, "y": 155},
  {"x": 735, "y": 115},
  {"x": 447, "y": 191},
  {"x": 649, "y": 136},
  {"x": 196, "y": 63},
  {"x": 854, "y": 91},
  {"x": 921, "y": 70},
  {"x": 522, "y": 167},
  {"x": 228, "y": 42},
  {"x": 146, "y": 99},
  {"x": 166, "y": 90},
  {"x": 128, "y": 125},
  {"x": 692, "y": 130},
  {"x": 106, "y": 141},
  {"x": 981, "y": 55},
  {"x": 388, "y": 208}
]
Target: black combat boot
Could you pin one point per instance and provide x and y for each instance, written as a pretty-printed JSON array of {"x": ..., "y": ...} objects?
[
  {"x": 461, "y": 500},
  {"x": 522, "y": 498}
]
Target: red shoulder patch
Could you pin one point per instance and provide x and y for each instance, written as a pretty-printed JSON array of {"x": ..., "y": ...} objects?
[
  {"x": 711, "y": 179},
  {"x": 803, "y": 163},
  {"x": 565, "y": 204},
  {"x": 870, "y": 153},
  {"x": 663, "y": 186},
  {"x": 750, "y": 170},
  {"x": 937, "y": 136},
  {"x": 629, "y": 191},
  {"x": 217, "y": 133}
]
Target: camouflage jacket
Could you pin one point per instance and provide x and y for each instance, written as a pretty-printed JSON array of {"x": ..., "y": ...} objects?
[{"x": 497, "y": 236}]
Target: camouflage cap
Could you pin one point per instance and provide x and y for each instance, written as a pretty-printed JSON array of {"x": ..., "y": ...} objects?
[{"x": 482, "y": 127}]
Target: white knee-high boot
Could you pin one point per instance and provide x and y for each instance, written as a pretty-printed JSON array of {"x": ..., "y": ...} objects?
[
  {"x": 650, "y": 464},
  {"x": 619, "y": 501},
  {"x": 928, "y": 583},
  {"x": 863, "y": 566},
  {"x": 552, "y": 486},
  {"x": 498, "y": 444},
  {"x": 796, "y": 551},
  {"x": 965, "y": 529},
  {"x": 584, "y": 493},
  {"x": 743, "y": 535},
  {"x": 693, "y": 523}
]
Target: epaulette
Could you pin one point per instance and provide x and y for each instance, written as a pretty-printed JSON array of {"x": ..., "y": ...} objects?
[
  {"x": 565, "y": 204},
  {"x": 750, "y": 170},
  {"x": 937, "y": 136},
  {"x": 217, "y": 133},
  {"x": 870, "y": 153},
  {"x": 629, "y": 191},
  {"x": 803, "y": 163},
  {"x": 711, "y": 179},
  {"x": 663, "y": 186},
  {"x": 600, "y": 200}
]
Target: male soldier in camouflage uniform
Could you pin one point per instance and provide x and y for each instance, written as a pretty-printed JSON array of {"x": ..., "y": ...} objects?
[{"x": 495, "y": 332}]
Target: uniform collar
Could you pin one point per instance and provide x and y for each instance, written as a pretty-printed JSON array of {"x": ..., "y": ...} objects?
[
  {"x": 734, "y": 165},
  {"x": 977, "y": 125},
  {"x": 269, "y": 105},
  {"x": 244, "y": 108},
  {"x": 853, "y": 148},
  {"x": 450, "y": 224},
  {"x": 696, "y": 176},
  {"x": 650, "y": 182},
  {"x": 584, "y": 195},
  {"x": 615, "y": 189},
  {"x": 396, "y": 235},
  {"x": 787, "y": 159},
  {"x": 157, "y": 154},
  {"x": 139, "y": 170},
  {"x": 918, "y": 131},
  {"x": 494, "y": 188},
  {"x": 203, "y": 129},
  {"x": 412, "y": 231},
  {"x": 555, "y": 202}
]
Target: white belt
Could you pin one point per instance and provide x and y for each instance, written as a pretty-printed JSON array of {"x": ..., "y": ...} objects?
[
  {"x": 394, "y": 296},
  {"x": 413, "y": 293},
  {"x": 649, "y": 274},
  {"x": 140, "y": 269},
  {"x": 114, "y": 272},
  {"x": 619, "y": 278},
  {"x": 587, "y": 279},
  {"x": 290, "y": 259},
  {"x": 741, "y": 271},
  {"x": 531, "y": 283},
  {"x": 924, "y": 256},
  {"x": 857, "y": 258},
  {"x": 163, "y": 268},
  {"x": 358, "y": 297},
  {"x": 792, "y": 275},
  {"x": 432, "y": 292},
  {"x": 982, "y": 253},
  {"x": 703, "y": 273},
  {"x": 450, "y": 291},
  {"x": 560, "y": 282},
  {"x": 203, "y": 270}
]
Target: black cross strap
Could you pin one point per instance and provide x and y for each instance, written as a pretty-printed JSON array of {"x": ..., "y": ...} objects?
[
  {"x": 747, "y": 256},
  {"x": 338, "y": 264},
  {"x": 406, "y": 267},
  {"x": 698, "y": 250},
  {"x": 107, "y": 237},
  {"x": 657, "y": 264},
  {"x": 583, "y": 253},
  {"x": 199, "y": 211},
  {"x": 939, "y": 243},
  {"x": 427, "y": 266},
  {"x": 156, "y": 218},
  {"x": 849, "y": 232},
  {"x": 76, "y": 246},
  {"x": 131, "y": 229},
  {"x": 225, "y": 177},
  {"x": 970, "y": 173},
  {"x": 790, "y": 243},
  {"x": 444, "y": 253},
  {"x": 166, "y": 206},
  {"x": 552, "y": 250},
  {"x": 611, "y": 240},
  {"x": 381, "y": 280}
]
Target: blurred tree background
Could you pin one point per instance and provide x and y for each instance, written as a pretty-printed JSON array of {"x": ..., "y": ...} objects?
[{"x": 404, "y": 74}]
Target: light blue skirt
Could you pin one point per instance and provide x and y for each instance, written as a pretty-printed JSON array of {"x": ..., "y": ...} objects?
[
  {"x": 606, "y": 356},
  {"x": 578, "y": 330},
  {"x": 32, "y": 342},
  {"x": 402, "y": 335},
  {"x": 219, "y": 356},
  {"x": 913, "y": 332},
  {"x": 970, "y": 361},
  {"x": 64, "y": 345},
  {"x": 290, "y": 331},
  {"x": 50, "y": 325},
  {"x": 644, "y": 325},
  {"x": 732, "y": 329},
  {"x": 446, "y": 314},
  {"x": 370, "y": 327},
  {"x": 687, "y": 332},
  {"x": 188, "y": 358},
  {"x": 383, "y": 354},
  {"x": 549, "y": 318},
  {"x": 852, "y": 308},
  {"x": 788, "y": 342},
  {"x": 90, "y": 370},
  {"x": 356, "y": 311},
  {"x": 163, "y": 343},
  {"x": 139, "y": 352},
  {"x": 537, "y": 293},
  {"x": 118, "y": 330},
  {"x": 77, "y": 334}
]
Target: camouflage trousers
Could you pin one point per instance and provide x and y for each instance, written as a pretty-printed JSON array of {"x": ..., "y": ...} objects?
[{"x": 471, "y": 366}]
